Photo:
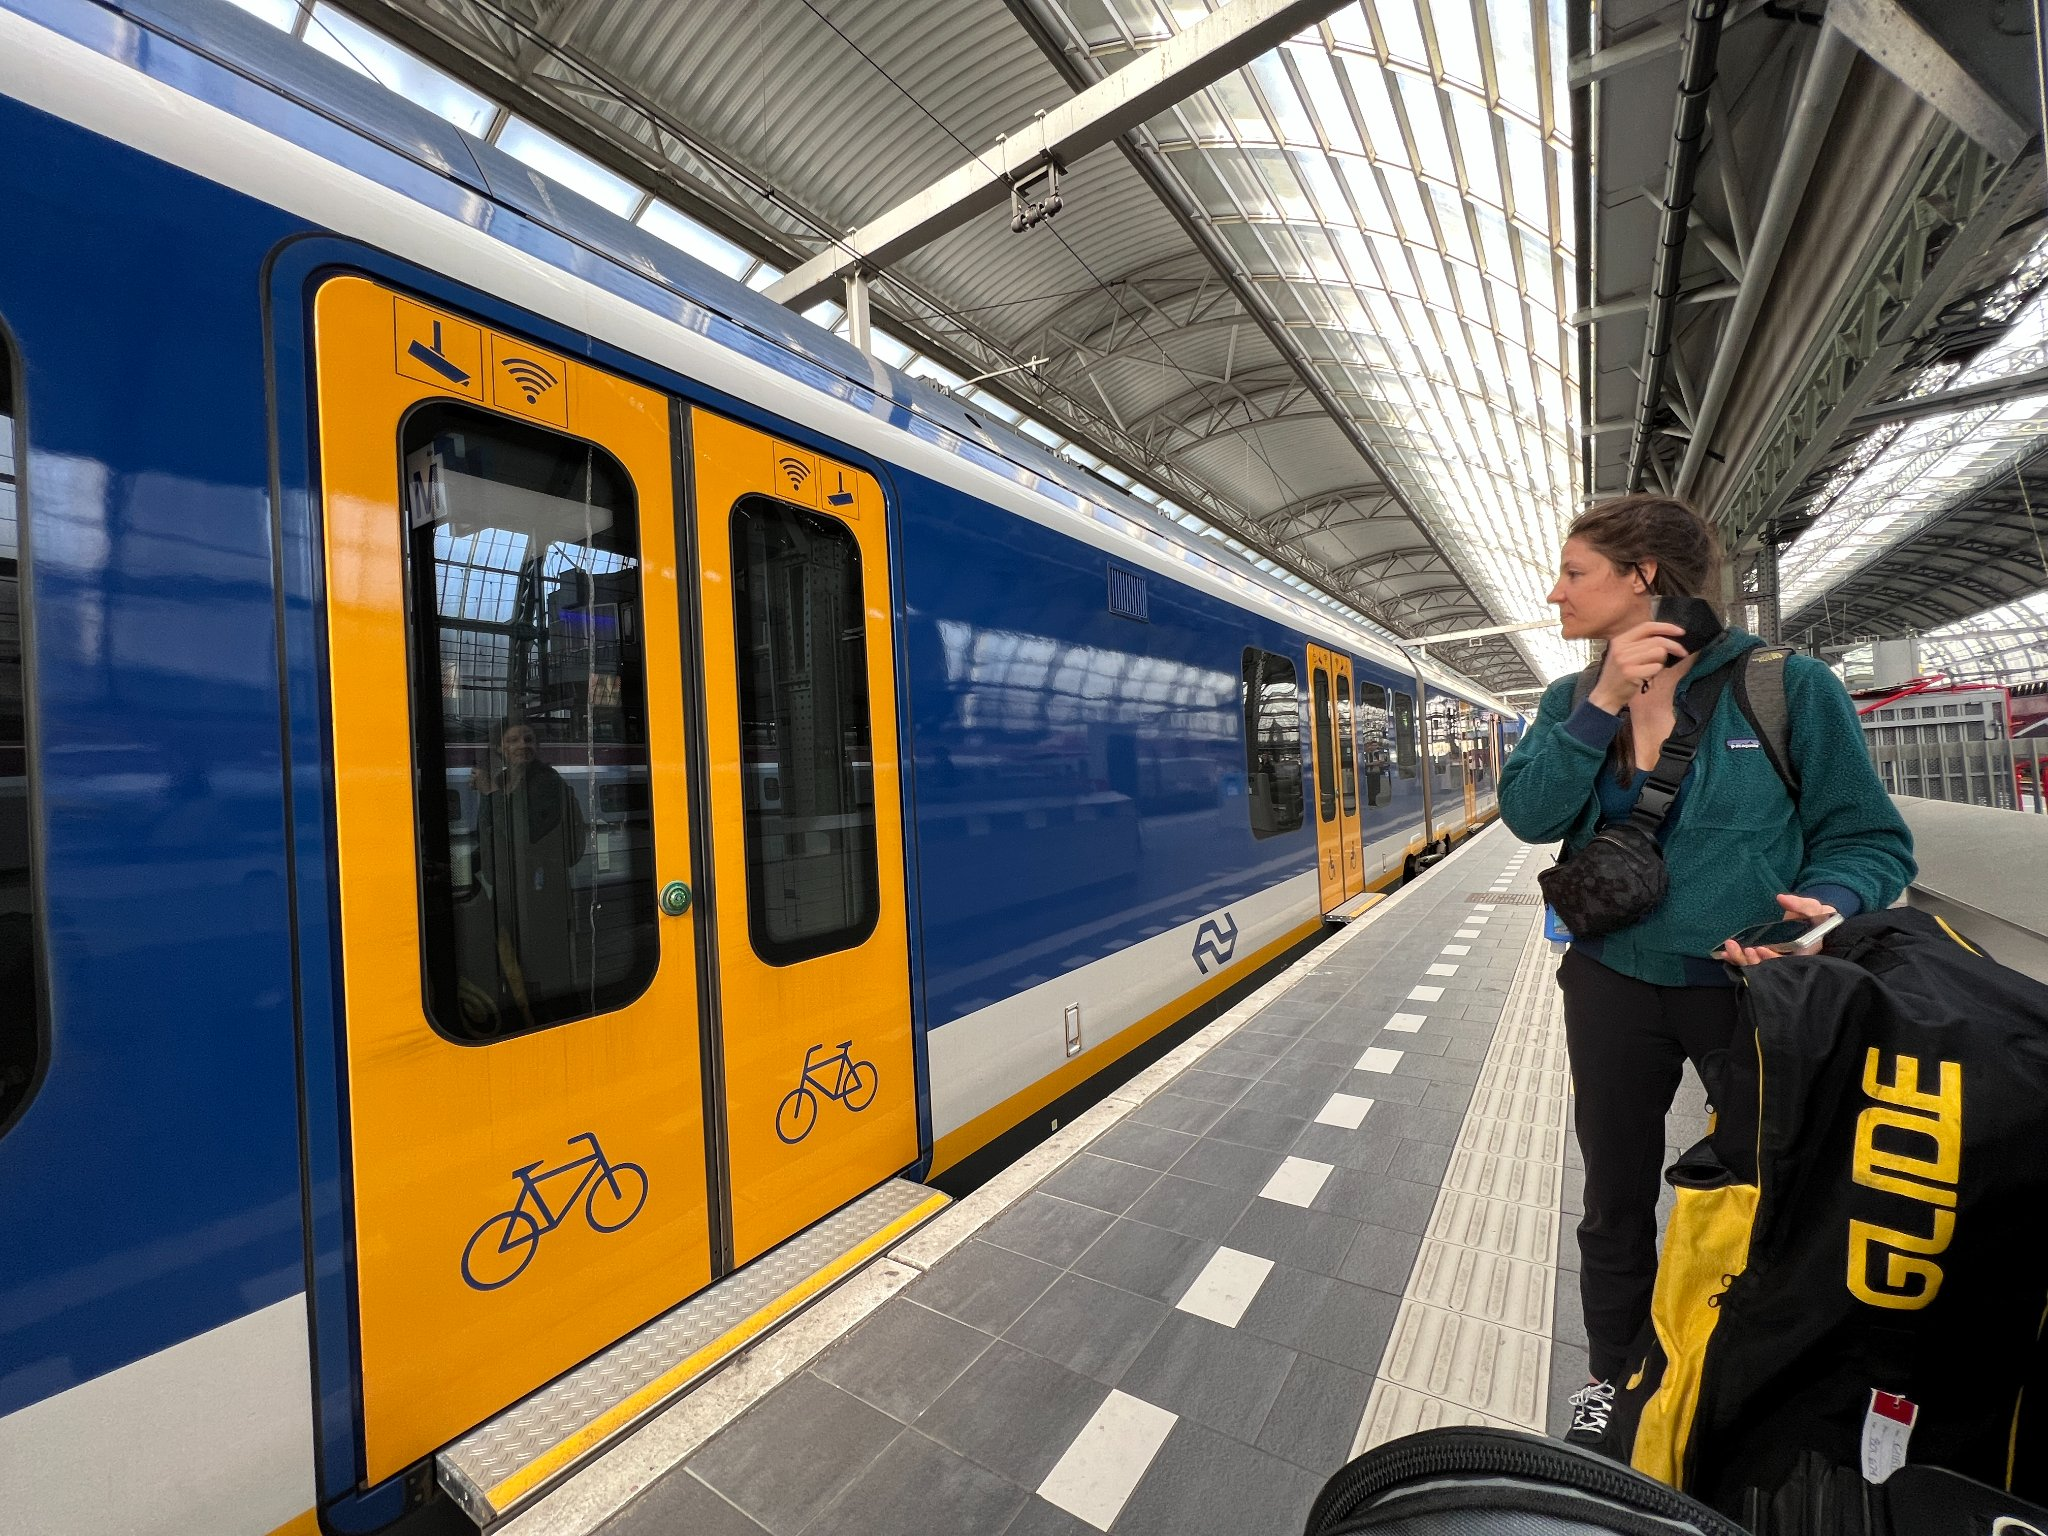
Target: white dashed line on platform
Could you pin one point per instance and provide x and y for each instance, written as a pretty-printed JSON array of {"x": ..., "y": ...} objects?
[
  {"x": 1094, "y": 1479},
  {"x": 1407, "y": 1023},
  {"x": 1344, "y": 1109},
  {"x": 1424, "y": 994},
  {"x": 1379, "y": 1058},
  {"x": 1226, "y": 1286},
  {"x": 1297, "y": 1181},
  {"x": 1443, "y": 970}
]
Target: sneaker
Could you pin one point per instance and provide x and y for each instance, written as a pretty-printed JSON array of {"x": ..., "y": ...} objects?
[{"x": 1591, "y": 1405}]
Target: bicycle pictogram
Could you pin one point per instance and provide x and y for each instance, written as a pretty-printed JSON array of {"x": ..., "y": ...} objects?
[
  {"x": 853, "y": 1084},
  {"x": 502, "y": 1247}
]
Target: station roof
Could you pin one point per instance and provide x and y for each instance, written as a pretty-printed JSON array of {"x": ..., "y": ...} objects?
[{"x": 1316, "y": 310}]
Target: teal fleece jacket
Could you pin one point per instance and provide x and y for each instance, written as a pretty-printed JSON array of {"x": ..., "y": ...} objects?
[{"x": 1735, "y": 839}]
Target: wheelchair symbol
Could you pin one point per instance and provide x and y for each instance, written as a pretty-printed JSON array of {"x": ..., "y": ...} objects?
[
  {"x": 837, "y": 1076},
  {"x": 500, "y": 1249}
]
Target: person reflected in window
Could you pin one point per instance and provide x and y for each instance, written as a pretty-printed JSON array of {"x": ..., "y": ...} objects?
[{"x": 530, "y": 832}]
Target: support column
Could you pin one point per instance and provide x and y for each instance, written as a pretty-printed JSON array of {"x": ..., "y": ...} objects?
[
  {"x": 857, "y": 330},
  {"x": 1765, "y": 573}
]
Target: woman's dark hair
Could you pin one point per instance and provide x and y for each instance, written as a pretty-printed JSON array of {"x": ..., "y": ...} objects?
[{"x": 1634, "y": 531}]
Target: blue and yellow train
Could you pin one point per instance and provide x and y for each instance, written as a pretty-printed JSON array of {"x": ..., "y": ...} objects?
[{"x": 488, "y": 700}]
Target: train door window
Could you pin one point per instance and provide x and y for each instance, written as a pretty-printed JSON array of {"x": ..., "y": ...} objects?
[
  {"x": 21, "y": 1034},
  {"x": 1326, "y": 768},
  {"x": 1347, "y": 762},
  {"x": 1272, "y": 742},
  {"x": 535, "y": 831},
  {"x": 1375, "y": 728},
  {"x": 1404, "y": 735},
  {"x": 813, "y": 885}
]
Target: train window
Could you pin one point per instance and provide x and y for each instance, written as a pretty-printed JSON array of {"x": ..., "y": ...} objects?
[
  {"x": 21, "y": 1011},
  {"x": 1272, "y": 742},
  {"x": 800, "y": 616},
  {"x": 536, "y": 838},
  {"x": 1326, "y": 767},
  {"x": 1375, "y": 736},
  {"x": 1347, "y": 762},
  {"x": 1404, "y": 735}
]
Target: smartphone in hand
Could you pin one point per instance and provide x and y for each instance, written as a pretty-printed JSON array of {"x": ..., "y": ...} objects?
[
  {"x": 1790, "y": 936},
  {"x": 1694, "y": 615}
]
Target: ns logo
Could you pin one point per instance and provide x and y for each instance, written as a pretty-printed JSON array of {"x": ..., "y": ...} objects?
[
  {"x": 1894, "y": 1266},
  {"x": 1215, "y": 940}
]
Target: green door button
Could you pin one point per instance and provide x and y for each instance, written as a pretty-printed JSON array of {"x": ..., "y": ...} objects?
[{"x": 675, "y": 898}]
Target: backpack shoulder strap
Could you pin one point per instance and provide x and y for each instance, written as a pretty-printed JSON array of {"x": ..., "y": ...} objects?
[
  {"x": 1582, "y": 687},
  {"x": 1760, "y": 694}
]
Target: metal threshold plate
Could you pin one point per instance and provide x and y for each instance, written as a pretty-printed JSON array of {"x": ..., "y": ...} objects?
[
  {"x": 1357, "y": 907},
  {"x": 507, "y": 1460}
]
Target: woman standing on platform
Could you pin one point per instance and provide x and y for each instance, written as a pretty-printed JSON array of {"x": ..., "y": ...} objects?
[{"x": 1739, "y": 848}]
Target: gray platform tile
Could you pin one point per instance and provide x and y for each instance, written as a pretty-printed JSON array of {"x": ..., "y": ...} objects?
[
  {"x": 1101, "y": 1182},
  {"x": 1014, "y": 1412},
  {"x": 1149, "y": 1146},
  {"x": 1038, "y": 1518},
  {"x": 1380, "y": 1199},
  {"x": 1176, "y": 1112},
  {"x": 752, "y": 1461},
  {"x": 1441, "y": 1069},
  {"x": 1258, "y": 1128},
  {"x": 1323, "y": 1316},
  {"x": 1047, "y": 1227},
  {"x": 1453, "y": 1098},
  {"x": 1230, "y": 1164},
  {"x": 677, "y": 1502},
  {"x": 1568, "y": 1372},
  {"x": 1092, "y": 1328},
  {"x": 1146, "y": 1260},
  {"x": 902, "y": 1358},
  {"x": 1215, "y": 1087},
  {"x": 1423, "y": 1042},
  {"x": 1225, "y": 1378},
  {"x": 1232, "y": 1062},
  {"x": 983, "y": 1286},
  {"x": 1573, "y": 1194},
  {"x": 1191, "y": 1207},
  {"x": 1568, "y": 1256},
  {"x": 1369, "y": 1149},
  {"x": 918, "y": 1487},
  {"x": 1421, "y": 1162},
  {"x": 1313, "y": 1419},
  {"x": 1387, "y": 1087},
  {"x": 1381, "y": 1259},
  {"x": 1415, "y": 1123},
  {"x": 1202, "y": 1484},
  {"x": 1309, "y": 1240},
  {"x": 1469, "y": 1048},
  {"x": 1307, "y": 1071},
  {"x": 1352, "y": 1026},
  {"x": 1252, "y": 1042},
  {"x": 1569, "y": 1326},
  {"x": 1298, "y": 1101},
  {"x": 1335, "y": 1052}
]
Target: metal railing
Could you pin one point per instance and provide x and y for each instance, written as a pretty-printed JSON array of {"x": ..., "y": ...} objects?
[{"x": 2002, "y": 774}]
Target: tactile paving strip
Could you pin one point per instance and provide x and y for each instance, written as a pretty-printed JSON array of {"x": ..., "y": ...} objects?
[
  {"x": 1472, "y": 1341},
  {"x": 493, "y": 1467}
]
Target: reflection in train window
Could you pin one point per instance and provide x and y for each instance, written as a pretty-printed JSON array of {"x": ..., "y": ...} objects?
[
  {"x": 1347, "y": 765},
  {"x": 21, "y": 1003},
  {"x": 1375, "y": 744},
  {"x": 1326, "y": 767},
  {"x": 1272, "y": 742},
  {"x": 805, "y": 746},
  {"x": 536, "y": 838},
  {"x": 1445, "y": 742},
  {"x": 1404, "y": 735}
]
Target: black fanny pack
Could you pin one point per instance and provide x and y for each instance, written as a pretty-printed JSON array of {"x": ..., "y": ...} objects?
[{"x": 1619, "y": 878}]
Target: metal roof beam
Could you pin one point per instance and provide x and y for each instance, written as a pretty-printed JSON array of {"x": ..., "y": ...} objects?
[
  {"x": 1220, "y": 43},
  {"x": 1990, "y": 392}
]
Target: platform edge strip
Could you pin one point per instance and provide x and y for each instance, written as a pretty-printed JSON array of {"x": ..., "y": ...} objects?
[{"x": 550, "y": 1464}]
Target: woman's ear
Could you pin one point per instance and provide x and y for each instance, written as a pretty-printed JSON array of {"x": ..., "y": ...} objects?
[{"x": 1646, "y": 577}]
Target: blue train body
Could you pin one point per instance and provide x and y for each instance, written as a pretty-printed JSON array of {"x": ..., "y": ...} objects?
[{"x": 1076, "y": 779}]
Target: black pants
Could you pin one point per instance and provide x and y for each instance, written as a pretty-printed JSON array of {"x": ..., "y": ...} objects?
[{"x": 1629, "y": 1042}]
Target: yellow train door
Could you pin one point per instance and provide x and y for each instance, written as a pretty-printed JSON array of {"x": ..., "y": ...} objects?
[
  {"x": 817, "y": 1092},
  {"x": 1323, "y": 752},
  {"x": 527, "y": 1166},
  {"x": 1347, "y": 778}
]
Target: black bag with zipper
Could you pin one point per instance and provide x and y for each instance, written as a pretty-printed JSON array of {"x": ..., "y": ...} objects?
[
  {"x": 1619, "y": 878},
  {"x": 1491, "y": 1482}
]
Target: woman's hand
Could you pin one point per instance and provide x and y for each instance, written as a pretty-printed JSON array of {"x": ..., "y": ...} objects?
[
  {"x": 1795, "y": 907},
  {"x": 1634, "y": 657}
]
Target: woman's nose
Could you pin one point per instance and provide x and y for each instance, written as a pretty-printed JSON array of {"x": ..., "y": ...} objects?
[{"x": 1556, "y": 593}]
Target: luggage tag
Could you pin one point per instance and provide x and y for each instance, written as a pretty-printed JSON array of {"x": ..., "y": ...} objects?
[
  {"x": 1887, "y": 1426},
  {"x": 1553, "y": 926}
]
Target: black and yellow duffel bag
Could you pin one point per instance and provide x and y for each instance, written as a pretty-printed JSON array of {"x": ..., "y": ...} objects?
[{"x": 1866, "y": 1287}]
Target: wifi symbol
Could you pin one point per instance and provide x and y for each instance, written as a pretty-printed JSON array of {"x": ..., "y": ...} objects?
[
  {"x": 532, "y": 379},
  {"x": 797, "y": 470}
]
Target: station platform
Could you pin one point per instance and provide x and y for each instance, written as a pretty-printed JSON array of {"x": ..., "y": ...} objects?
[{"x": 1341, "y": 1212}]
